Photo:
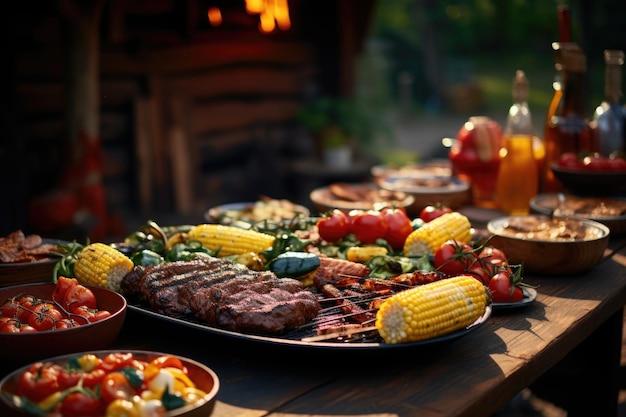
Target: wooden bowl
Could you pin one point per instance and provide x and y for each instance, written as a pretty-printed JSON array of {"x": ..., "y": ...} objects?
[
  {"x": 589, "y": 182},
  {"x": 550, "y": 256},
  {"x": 26, "y": 347},
  {"x": 19, "y": 273},
  {"x": 325, "y": 199},
  {"x": 204, "y": 378}
]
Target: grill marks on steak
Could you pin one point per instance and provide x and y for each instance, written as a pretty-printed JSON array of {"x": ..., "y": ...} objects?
[{"x": 224, "y": 294}]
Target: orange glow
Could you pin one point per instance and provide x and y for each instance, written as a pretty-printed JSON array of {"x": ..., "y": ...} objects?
[
  {"x": 267, "y": 23},
  {"x": 215, "y": 16},
  {"x": 281, "y": 11},
  {"x": 255, "y": 6}
]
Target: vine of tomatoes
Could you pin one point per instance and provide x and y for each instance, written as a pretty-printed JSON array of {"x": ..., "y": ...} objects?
[{"x": 70, "y": 305}]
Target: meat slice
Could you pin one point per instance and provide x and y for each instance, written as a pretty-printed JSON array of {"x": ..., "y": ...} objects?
[{"x": 224, "y": 294}]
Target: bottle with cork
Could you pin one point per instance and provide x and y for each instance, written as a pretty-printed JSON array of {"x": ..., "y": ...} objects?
[
  {"x": 568, "y": 129},
  {"x": 518, "y": 176}
]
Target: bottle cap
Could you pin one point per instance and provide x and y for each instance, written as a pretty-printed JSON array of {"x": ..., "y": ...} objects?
[{"x": 520, "y": 86}]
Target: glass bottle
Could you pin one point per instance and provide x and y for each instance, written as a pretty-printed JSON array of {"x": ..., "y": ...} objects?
[
  {"x": 609, "y": 117},
  {"x": 518, "y": 177},
  {"x": 568, "y": 130}
]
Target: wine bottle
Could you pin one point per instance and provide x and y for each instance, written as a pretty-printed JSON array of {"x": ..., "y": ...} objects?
[{"x": 609, "y": 117}]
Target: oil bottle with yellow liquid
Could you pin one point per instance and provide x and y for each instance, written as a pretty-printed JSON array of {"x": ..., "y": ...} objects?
[{"x": 518, "y": 176}]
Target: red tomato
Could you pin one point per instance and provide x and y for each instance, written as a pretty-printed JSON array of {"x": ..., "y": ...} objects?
[
  {"x": 616, "y": 164},
  {"x": 90, "y": 379},
  {"x": 429, "y": 213},
  {"x": 334, "y": 226},
  {"x": 569, "y": 160},
  {"x": 114, "y": 386},
  {"x": 44, "y": 316},
  {"x": 83, "y": 314},
  {"x": 595, "y": 162},
  {"x": 79, "y": 295},
  {"x": 65, "y": 323},
  {"x": 99, "y": 315},
  {"x": 61, "y": 288},
  {"x": 368, "y": 226},
  {"x": 10, "y": 308},
  {"x": 503, "y": 290},
  {"x": 116, "y": 361},
  {"x": 399, "y": 226},
  {"x": 492, "y": 259},
  {"x": 39, "y": 381},
  {"x": 27, "y": 328},
  {"x": 479, "y": 272},
  {"x": 454, "y": 257},
  {"x": 9, "y": 325},
  {"x": 27, "y": 303},
  {"x": 78, "y": 404},
  {"x": 167, "y": 361}
]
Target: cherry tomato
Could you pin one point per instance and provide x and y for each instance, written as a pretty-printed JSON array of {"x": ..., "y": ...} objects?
[
  {"x": 78, "y": 404},
  {"x": 595, "y": 162},
  {"x": 79, "y": 295},
  {"x": 116, "y": 361},
  {"x": 83, "y": 314},
  {"x": 368, "y": 225},
  {"x": 44, "y": 316},
  {"x": 454, "y": 257},
  {"x": 27, "y": 328},
  {"x": 61, "y": 288},
  {"x": 334, "y": 226},
  {"x": 503, "y": 290},
  {"x": 429, "y": 213},
  {"x": 9, "y": 325},
  {"x": 10, "y": 308},
  {"x": 492, "y": 259},
  {"x": 65, "y": 323},
  {"x": 167, "y": 361},
  {"x": 114, "y": 386},
  {"x": 39, "y": 381},
  {"x": 27, "y": 303},
  {"x": 617, "y": 164},
  {"x": 479, "y": 272},
  {"x": 399, "y": 226},
  {"x": 90, "y": 379},
  {"x": 569, "y": 160},
  {"x": 99, "y": 315}
]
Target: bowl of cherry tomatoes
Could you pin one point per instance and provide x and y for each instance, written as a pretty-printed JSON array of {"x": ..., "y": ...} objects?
[
  {"x": 111, "y": 382},
  {"x": 591, "y": 174},
  {"x": 47, "y": 319}
]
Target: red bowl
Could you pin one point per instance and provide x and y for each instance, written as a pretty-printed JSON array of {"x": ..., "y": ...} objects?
[
  {"x": 203, "y": 377},
  {"x": 32, "y": 346}
]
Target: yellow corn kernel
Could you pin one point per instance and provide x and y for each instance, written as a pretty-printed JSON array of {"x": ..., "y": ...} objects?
[
  {"x": 101, "y": 265},
  {"x": 363, "y": 254},
  {"x": 230, "y": 240},
  {"x": 428, "y": 238},
  {"x": 432, "y": 310}
]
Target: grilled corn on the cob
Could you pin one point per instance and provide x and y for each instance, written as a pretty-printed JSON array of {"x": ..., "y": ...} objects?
[
  {"x": 432, "y": 310},
  {"x": 428, "y": 238},
  {"x": 230, "y": 240},
  {"x": 365, "y": 253},
  {"x": 101, "y": 265}
]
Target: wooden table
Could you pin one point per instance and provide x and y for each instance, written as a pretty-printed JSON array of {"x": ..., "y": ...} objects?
[{"x": 573, "y": 330}]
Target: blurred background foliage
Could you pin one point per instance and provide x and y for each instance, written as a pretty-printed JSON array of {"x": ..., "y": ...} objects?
[{"x": 437, "y": 57}]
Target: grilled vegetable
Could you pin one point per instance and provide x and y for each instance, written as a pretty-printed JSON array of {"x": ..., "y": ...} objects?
[
  {"x": 432, "y": 310},
  {"x": 230, "y": 240},
  {"x": 363, "y": 254},
  {"x": 294, "y": 264},
  {"x": 101, "y": 265},
  {"x": 428, "y": 238}
]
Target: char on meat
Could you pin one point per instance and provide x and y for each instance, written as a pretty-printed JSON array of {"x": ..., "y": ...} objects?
[{"x": 225, "y": 294}]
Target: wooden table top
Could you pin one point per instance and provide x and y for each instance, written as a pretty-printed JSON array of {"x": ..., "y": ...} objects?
[{"x": 474, "y": 375}]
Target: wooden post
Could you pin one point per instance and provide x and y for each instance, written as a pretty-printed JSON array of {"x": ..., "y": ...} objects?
[{"x": 84, "y": 153}]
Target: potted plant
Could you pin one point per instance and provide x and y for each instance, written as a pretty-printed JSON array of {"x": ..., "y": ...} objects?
[{"x": 340, "y": 126}]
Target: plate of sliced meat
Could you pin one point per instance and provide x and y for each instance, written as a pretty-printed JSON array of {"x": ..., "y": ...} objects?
[
  {"x": 27, "y": 259},
  {"x": 224, "y": 298}
]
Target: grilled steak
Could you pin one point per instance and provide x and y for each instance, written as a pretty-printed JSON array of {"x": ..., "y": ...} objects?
[{"x": 224, "y": 294}]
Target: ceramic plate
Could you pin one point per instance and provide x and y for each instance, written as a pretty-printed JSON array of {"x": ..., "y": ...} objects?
[{"x": 530, "y": 294}]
